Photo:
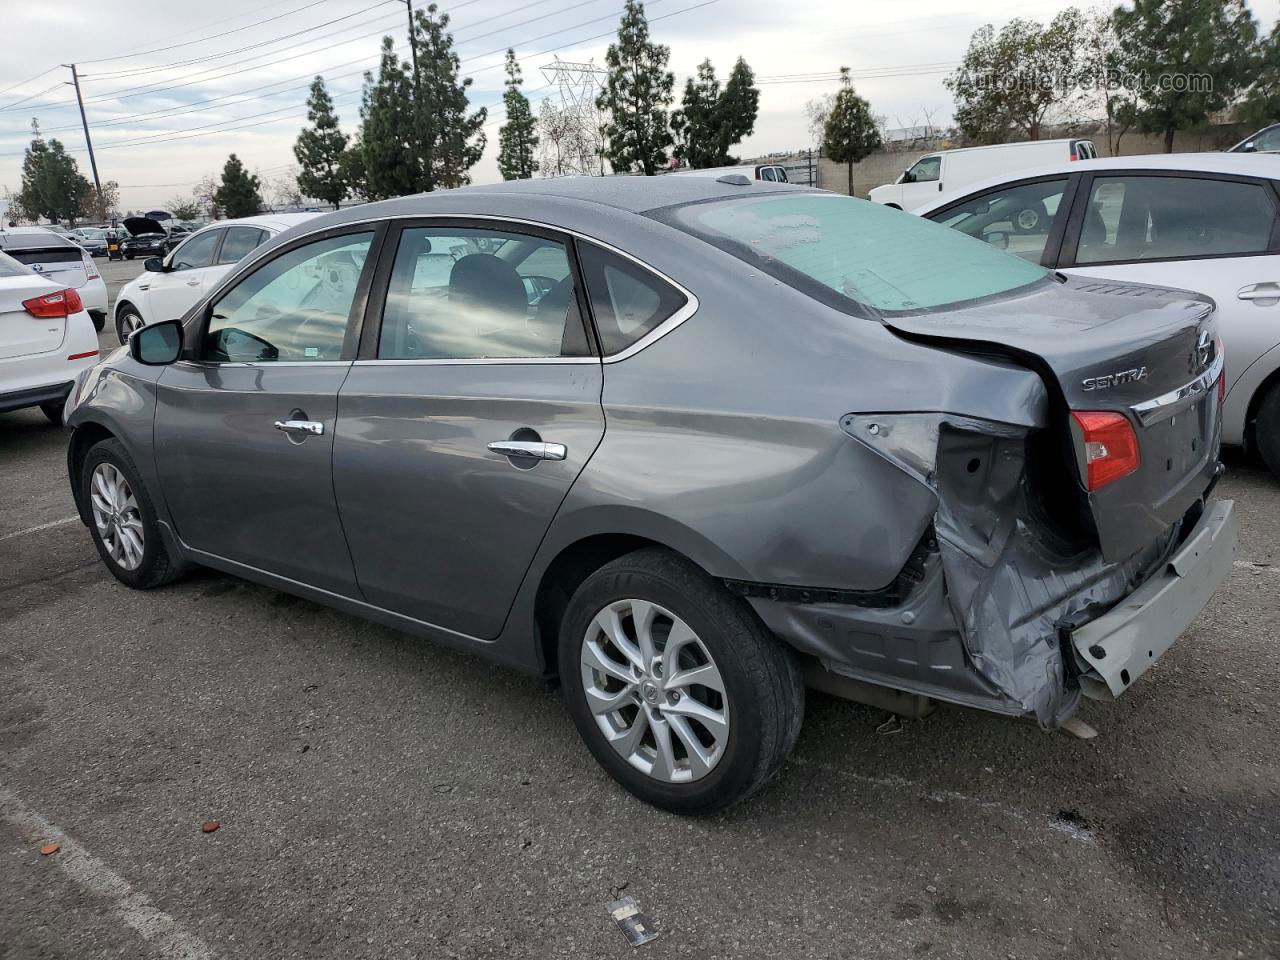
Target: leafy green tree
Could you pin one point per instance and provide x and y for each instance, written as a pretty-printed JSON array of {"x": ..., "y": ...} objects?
[
  {"x": 238, "y": 194},
  {"x": 1194, "y": 58},
  {"x": 354, "y": 174},
  {"x": 52, "y": 186},
  {"x": 517, "y": 140},
  {"x": 1009, "y": 81},
  {"x": 851, "y": 133},
  {"x": 712, "y": 119},
  {"x": 183, "y": 209},
  {"x": 1261, "y": 104},
  {"x": 387, "y": 111},
  {"x": 449, "y": 141},
  {"x": 319, "y": 149},
  {"x": 636, "y": 97},
  {"x": 98, "y": 204}
]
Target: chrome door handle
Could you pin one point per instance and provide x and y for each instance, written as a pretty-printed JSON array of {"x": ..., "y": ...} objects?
[
  {"x": 312, "y": 428},
  {"x": 533, "y": 450},
  {"x": 1264, "y": 294}
]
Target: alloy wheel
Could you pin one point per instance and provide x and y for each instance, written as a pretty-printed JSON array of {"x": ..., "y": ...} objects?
[
  {"x": 655, "y": 691},
  {"x": 116, "y": 516},
  {"x": 129, "y": 323}
]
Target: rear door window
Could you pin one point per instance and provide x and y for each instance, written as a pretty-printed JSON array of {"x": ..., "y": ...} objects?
[
  {"x": 1015, "y": 218},
  {"x": 1139, "y": 217},
  {"x": 480, "y": 294},
  {"x": 238, "y": 242}
]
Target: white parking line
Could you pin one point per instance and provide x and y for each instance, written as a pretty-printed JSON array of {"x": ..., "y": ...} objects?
[
  {"x": 170, "y": 939},
  {"x": 44, "y": 526}
]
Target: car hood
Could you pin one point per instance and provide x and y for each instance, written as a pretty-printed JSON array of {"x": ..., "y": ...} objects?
[{"x": 140, "y": 225}]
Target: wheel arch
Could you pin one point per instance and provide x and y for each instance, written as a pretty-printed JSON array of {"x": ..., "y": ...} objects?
[
  {"x": 85, "y": 436},
  {"x": 1270, "y": 382}
]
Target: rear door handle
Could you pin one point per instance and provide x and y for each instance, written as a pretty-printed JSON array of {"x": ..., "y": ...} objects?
[
  {"x": 313, "y": 428},
  {"x": 1263, "y": 294},
  {"x": 530, "y": 449}
]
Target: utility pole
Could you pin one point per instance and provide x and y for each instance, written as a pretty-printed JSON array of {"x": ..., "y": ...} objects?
[
  {"x": 413, "y": 44},
  {"x": 75, "y": 81}
]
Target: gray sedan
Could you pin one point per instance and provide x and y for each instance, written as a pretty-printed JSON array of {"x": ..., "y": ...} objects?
[{"x": 690, "y": 445}]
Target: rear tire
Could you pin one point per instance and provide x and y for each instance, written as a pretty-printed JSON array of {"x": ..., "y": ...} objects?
[
  {"x": 1266, "y": 429},
  {"x": 723, "y": 743},
  {"x": 123, "y": 519}
]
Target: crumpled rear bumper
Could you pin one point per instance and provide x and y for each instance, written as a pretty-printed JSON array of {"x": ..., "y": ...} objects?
[{"x": 1118, "y": 647}]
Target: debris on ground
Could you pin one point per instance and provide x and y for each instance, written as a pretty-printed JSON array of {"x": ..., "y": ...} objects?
[
  {"x": 635, "y": 926},
  {"x": 210, "y": 826},
  {"x": 49, "y": 848},
  {"x": 892, "y": 725}
]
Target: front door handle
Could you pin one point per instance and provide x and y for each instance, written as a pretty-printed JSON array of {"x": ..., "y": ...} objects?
[
  {"x": 530, "y": 449},
  {"x": 1265, "y": 294},
  {"x": 312, "y": 428}
]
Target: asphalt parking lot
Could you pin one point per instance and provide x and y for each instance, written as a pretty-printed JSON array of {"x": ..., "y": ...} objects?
[{"x": 380, "y": 797}]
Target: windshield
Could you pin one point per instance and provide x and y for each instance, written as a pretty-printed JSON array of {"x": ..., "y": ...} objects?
[{"x": 842, "y": 251}]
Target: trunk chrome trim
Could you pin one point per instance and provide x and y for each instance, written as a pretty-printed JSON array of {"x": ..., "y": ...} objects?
[{"x": 1169, "y": 404}]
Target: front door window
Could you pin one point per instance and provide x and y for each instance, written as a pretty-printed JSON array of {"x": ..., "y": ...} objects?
[{"x": 1015, "y": 218}]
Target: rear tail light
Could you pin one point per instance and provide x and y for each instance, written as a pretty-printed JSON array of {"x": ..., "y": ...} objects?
[
  {"x": 90, "y": 270},
  {"x": 54, "y": 305},
  {"x": 1110, "y": 447},
  {"x": 83, "y": 356}
]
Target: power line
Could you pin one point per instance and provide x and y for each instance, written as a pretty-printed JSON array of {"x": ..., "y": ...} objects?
[
  {"x": 23, "y": 83},
  {"x": 137, "y": 71},
  {"x": 18, "y": 103},
  {"x": 188, "y": 43}
]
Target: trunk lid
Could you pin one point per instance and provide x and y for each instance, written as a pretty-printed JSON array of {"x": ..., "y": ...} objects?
[
  {"x": 21, "y": 334},
  {"x": 1148, "y": 353}
]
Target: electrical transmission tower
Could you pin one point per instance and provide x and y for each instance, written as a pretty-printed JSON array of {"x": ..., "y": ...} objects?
[{"x": 569, "y": 123}]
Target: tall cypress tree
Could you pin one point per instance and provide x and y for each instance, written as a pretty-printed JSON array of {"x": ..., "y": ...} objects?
[
  {"x": 319, "y": 149},
  {"x": 711, "y": 119},
  {"x": 238, "y": 195},
  {"x": 448, "y": 140},
  {"x": 390, "y": 166},
  {"x": 636, "y": 97},
  {"x": 517, "y": 142},
  {"x": 851, "y": 132},
  {"x": 52, "y": 185}
]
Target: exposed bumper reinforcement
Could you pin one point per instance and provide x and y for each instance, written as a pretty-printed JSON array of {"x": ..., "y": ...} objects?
[{"x": 1119, "y": 646}]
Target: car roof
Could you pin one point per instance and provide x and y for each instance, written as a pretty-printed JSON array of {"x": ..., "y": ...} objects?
[
  {"x": 541, "y": 199},
  {"x": 1236, "y": 164},
  {"x": 275, "y": 221}
]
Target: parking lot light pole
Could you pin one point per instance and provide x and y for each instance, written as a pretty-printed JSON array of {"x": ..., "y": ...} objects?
[{"x": 75, "y": 82}]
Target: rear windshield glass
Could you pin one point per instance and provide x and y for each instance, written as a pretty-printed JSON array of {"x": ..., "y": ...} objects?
[
  {"x": 845, "y": 251},
  {"x": 10, "y": 267},
  {"x": 57, "y": 255}
]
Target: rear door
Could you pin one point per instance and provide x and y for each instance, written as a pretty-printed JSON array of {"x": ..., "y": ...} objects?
[
  {"x": 1218, "y": 235},
  {"x": 244, "y": 423},
  {"x": 172, "y": 293},
  {"x": 473, "y": 407}
]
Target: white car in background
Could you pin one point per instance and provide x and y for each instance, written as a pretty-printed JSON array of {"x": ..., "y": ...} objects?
[
  {"x": 171, "y": 285},
  {"x": 46, "y": 339},
  {"x": 1207, "y": 222},
  {"x": 947, "y": 171},
  {"x": 769, "y": 172},
  {"x": 62, "y": 261}
]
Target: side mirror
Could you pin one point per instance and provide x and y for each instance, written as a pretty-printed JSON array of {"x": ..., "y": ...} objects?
[
  {"x": 998, "y": 239},
  {"x": 907, "y": 177},
  {"x": 157, "y": 345},
  {"x": 153, "y": 264}
]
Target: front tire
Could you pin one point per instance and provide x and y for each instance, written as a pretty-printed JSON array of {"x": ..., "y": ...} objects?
[
  {"x": 123, "y": 519},
  {"x": 127, "y": 321},
  {"x": 1266, "y": 430},
  {"x": 679, "y": 691}
]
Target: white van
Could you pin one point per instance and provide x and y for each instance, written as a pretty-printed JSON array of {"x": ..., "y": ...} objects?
[
  {"x": 950, "y": 170},
  {"x": 770, "y": 172}
]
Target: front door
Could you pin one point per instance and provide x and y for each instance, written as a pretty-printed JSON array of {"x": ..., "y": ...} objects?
[
  {"x": 245, "y": 421},
  {"x": 1209, "y": 234},
  {"x": 468, "y": 417},
  {"x": 175, "y": 291}
]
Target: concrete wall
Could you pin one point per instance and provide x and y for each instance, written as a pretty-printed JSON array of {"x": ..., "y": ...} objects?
[{"x": 885, "y": 165}]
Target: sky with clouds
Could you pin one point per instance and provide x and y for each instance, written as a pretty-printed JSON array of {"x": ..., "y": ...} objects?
[{"x": 172, "y": 87}]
